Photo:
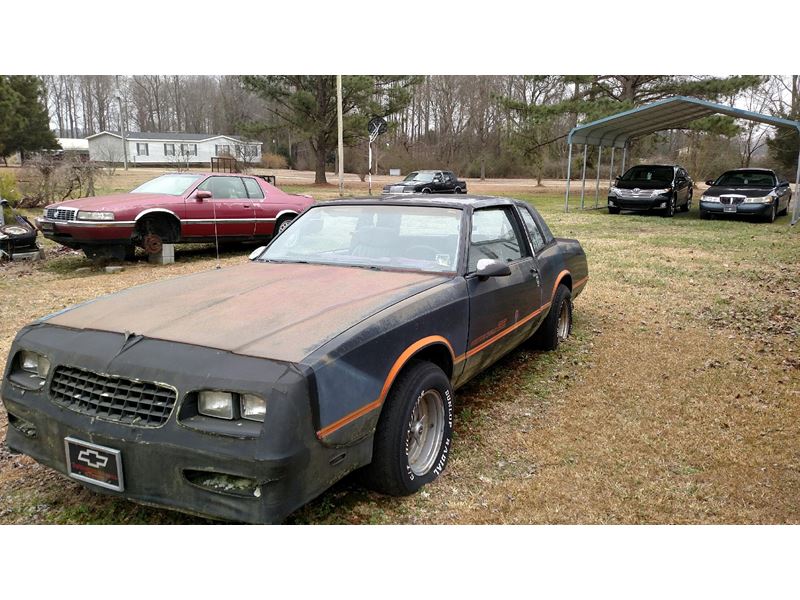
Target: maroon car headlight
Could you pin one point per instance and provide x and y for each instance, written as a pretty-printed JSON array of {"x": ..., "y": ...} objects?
[{"x": 95, "y": 215}]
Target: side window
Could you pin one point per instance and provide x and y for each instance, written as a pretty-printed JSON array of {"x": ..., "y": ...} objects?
[
  {"x": 494, "y": 235},
  {"x": 224, "y": 187},
  {"x": 537, "y": 239},
  {"x": 253, "y": 189}
]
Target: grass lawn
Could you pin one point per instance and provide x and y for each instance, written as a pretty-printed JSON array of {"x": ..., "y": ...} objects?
[{"x": 677, "y": 400}]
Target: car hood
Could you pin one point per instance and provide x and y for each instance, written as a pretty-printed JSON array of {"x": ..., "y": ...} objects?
[
  {"x": 747, "y": 192},
  {"x": 269, "y": 310},
  {"x": 643, "y": 185},
  {"x": 112, "y": 202}
]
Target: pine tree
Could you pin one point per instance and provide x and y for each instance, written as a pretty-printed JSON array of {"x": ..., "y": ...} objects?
[
  {"x": 26, "y": 127},
  {"x": 308, "y": 104}
]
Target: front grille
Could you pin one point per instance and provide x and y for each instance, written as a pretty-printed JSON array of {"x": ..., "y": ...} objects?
[
  {"x": 61, "y": 214},
  {"x": 111, "y": 398},
  {"x": 731, "y": 199},
  {"x": 631, "y": 194}
]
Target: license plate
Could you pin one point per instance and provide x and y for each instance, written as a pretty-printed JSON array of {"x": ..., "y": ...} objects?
[
  {"x": 94, "y": 464},
  {"x": 45, "y": 226},
  {"x": 729, "y": 208}
]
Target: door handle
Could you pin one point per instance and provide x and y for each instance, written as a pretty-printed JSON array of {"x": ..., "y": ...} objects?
[{"x": 246, "y": 205}]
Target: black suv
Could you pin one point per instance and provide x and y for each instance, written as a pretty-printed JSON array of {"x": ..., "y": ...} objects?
[
  {"x": 755, "y": 192},
  {"x": 652, "y": 187}
]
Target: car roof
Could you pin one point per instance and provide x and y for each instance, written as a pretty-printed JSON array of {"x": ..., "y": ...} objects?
[
  {"x": 443, "y": 200},
  {"x": 751, "y": 170},
  {"x": 656, "y": 165}
]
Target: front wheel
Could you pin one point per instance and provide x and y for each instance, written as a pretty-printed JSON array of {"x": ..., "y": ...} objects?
[
  {"x": 772, "y": 214},
  {"x": 613, "y": 210},
  {"x": 415, "y": 432},
  {"x": 670, "y": 210}
]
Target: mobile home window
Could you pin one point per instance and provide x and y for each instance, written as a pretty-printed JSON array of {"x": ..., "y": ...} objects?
[
  {"x": 142, "y": 150},
  {"x": 189, "y": 149},
  {"x": 222, "y": 149},
  {"x": 169, "y": 149}
]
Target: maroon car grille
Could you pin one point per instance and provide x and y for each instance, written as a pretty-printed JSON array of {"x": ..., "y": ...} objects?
[
  {"x": 111, "y": 398},
  {"x": 731, "y": 199},
  {"x": 61, "y": 214}
]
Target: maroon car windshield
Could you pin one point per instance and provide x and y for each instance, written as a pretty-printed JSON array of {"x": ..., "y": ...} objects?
[
  {"x": 171, "y": 185},
  {"x": 395, "y": 237}
]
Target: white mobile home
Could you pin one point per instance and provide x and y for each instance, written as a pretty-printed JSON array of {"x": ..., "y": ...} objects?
[{"x": 145, "y": 148}]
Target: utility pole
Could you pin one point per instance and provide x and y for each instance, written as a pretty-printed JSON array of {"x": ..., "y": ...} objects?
[
  {"x": 341, "y": 133},
  {"x": 122, "y": 127}
]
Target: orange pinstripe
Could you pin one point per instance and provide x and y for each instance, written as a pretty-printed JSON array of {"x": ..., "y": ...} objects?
[{"x": 427, "y": 341}]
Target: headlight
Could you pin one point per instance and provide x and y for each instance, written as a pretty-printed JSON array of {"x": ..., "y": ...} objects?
[
  {"x": 253, "y": 407},
  {"x": 705, "y": 198},
  {"x": 215, "y": 404},
  {"x": 35, "y": 363},
  {"x": 94, "y": 215},
  {"x": 614, "y": 190},
  {"x": 759, "y": 200},
  {"x": 655, "y": 193}
]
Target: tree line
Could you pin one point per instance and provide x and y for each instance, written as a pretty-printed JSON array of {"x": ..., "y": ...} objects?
[{"x": 479, "y": 126}]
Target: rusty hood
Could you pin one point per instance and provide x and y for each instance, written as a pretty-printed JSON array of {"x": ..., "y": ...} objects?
[{"x": 268, "y": 310}]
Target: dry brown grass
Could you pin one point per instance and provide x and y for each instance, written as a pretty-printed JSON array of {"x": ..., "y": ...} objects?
[{"x": 677, "y": 400}]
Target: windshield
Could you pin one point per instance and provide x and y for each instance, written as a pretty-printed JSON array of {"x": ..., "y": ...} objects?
[
  {"x": 172, "y": 185},
  {"x": 419, "y": 177},
  {"x": 746, "y": 179},
  {"x": 645, "y": 173},
  {"x": 395, "y": 237}
]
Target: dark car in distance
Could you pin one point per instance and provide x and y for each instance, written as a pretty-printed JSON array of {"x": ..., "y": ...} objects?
[
  {"x": 664, "y": 188},
  {"x": 751, "y": 192},
  {"x": 242, "y": 393},
  {"x": 427, "y": 182}
]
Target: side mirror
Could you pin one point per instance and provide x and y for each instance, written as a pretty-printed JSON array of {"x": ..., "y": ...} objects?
[
  {"x": 709, "y": 182},
  {"x": 256, "y": 253},
  {"x": 783, "y": 183},
  {"x": 490, "y": 267},
  {"x": 201, "y": 195}
]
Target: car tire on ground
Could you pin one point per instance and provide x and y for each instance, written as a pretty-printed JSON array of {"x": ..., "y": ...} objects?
[
  {"x": 772, "y": 214},
  {"x": 558, "y": 323},
  {"x": 457, "y": 190},
  {"x": 426, "y": 191},
  {"x": 687, "y": 207},
  {"x": 670, "y": 210},
  {"x": 613, "y": 210},
  {"x": 414, "y": 436}
]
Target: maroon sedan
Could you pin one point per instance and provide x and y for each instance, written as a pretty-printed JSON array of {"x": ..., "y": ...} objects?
[{"x": 174, "y": 208}]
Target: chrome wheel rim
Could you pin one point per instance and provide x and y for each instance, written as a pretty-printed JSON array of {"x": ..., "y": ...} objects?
[
  {"x": 284, "y": 225},
  {"x": 563, "y": 322},
  {"x": 425, "y": 432}
]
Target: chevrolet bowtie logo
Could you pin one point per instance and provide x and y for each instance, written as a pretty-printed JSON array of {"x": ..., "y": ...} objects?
[{"x": 93, "y": 458}]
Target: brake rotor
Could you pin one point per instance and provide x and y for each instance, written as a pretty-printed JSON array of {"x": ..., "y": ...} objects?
[{"x": 152, "y": 243}]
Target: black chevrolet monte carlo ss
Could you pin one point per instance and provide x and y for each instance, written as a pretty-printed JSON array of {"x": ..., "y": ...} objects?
[
  {"x": 243, "y": 393},
  {"x": 749, "y": 192}
]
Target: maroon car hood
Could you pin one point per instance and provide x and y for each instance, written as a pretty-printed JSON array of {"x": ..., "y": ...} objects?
[
  {"x": 114, "y": 201},
  {"x": 269, "y": 310}
]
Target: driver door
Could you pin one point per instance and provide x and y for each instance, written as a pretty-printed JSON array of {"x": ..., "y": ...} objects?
[
  {"x": 229, "y": 208},
  {"x": 502, "y": 310}
]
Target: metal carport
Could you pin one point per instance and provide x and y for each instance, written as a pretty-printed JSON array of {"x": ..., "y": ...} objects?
[{"x": 618, "y": 130}]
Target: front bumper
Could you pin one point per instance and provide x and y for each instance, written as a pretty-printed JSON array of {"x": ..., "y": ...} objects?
[
  {"x": 752, "y": 209},
  {"x": 657, "y": 203},
  {"x": 284, "y": 458},
  {"x": 75, "y": 234}
]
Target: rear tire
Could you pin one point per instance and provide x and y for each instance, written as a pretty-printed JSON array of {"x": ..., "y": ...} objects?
[
  {"x": 415, "y": 432},
  {"x": 282, "y": 224},
  {"x": 558, "y": 323}
]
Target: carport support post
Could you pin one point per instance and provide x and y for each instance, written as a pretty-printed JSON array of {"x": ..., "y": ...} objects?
[
  {"x": 624, "y": 156},
  {"x": 796, "y": 213},
  {"x": 583, "y": 173},
  {"x": 597, "y": 183},
  {"x": 611, "y": 169},
  {"x": 569, "y": 174}
]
